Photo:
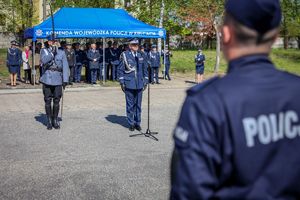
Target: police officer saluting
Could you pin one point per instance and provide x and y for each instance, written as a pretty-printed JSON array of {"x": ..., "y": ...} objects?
[
  {"x": 54, "y": 79},
  {"x": 238, "y": 137},
  {"x": 133, "y": 77}
]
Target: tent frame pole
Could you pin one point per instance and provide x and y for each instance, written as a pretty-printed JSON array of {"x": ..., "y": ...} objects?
[
  {"x": 33, "y": 73},
  {"x": 164, "y": 58},
  {"x": 104, "y": 68}
]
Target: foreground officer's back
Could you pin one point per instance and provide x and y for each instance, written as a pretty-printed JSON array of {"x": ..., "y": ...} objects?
[{"x": 238, "y": 137}]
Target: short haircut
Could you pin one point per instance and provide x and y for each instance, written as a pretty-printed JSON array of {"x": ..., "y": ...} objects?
[{"x": 248, "y": 36}]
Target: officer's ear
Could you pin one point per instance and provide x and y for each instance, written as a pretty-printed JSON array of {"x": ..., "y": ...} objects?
[{"x": 227, "y": 34}]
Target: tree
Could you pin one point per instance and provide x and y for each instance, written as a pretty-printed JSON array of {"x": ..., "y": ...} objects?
[
  {"x": 18, "y": 15},
  {"x": 204, "y": 18},
  {"x": 291, "y": 21}
]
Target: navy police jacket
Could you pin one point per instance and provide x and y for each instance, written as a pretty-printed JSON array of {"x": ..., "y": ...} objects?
[
  {"x": 154, "y": 59},
  {"x": 80, "y": 56},
  {"x": 238, "y": 137},
  {"x": 199, "y": 60},
  {"x": 132, "y": 71},
  {"x": 58, "y": 63},
  {"x": 14, "y": 57},
  {"x": 168, "y": 57}
]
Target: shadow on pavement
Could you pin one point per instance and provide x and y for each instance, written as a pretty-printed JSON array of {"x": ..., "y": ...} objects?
[
  {"x": 42, "y": 118},
  {"x": 115, "y": 119},
  {"x": 192, "y": 82}
]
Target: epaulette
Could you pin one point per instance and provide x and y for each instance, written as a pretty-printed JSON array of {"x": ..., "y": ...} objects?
[{"x": 201, "y": 86}]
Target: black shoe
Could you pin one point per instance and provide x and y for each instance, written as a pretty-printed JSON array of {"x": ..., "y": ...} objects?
[
  {"x": 157, "y": 82},
  {"x": 48, "y": 110},
  {"x": 55, "y": 122},
  {"x": 49, "y": 123},
  {"x": 138, "y": 127},
  {"x": 70, "y": 83},
  {"x": 131, "y": 128},
  {"x": 152, "y": 83}
]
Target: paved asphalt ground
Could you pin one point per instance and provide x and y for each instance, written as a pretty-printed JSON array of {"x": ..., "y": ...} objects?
[{"x": 92, "y": 156}]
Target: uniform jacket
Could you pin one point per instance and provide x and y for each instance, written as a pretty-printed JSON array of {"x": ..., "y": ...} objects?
[
  {"x": 91, "y": 55},
  {"x": 80, "y": 57},
  {"x": 114, "y": 55},
  {"x": 131, "y": 73},
  {"x": 238, "y": 137},
  {"x": 168, "y": 57},
  {"x": 199, "y": 59},
  {"x": 71, "y": 57},
  {"x": 59, "y": 61},
  {"x": 154, "y": 59},
  {"x": 14, "y": 57}
]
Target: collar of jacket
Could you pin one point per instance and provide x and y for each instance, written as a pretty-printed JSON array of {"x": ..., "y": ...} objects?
[{"x": 250, "y": 60}]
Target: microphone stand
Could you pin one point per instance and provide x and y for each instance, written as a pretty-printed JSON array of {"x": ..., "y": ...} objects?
[{"x": 148, "y": 132}]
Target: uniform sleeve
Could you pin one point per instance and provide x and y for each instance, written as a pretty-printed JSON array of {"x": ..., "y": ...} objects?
[
  {"x": 24, "y": 57},
  {"x": 65, "y": 67},
  {"x": 88, "y": 56},
  {"x": 121, "y": 69},
  {"x": 74, "y": 57},
  {"x": 46, "y": 56},
  {"x": 145, "y": 72},
  {"x": 196, "y": 156},
  {"x": 7, "y": 58}
]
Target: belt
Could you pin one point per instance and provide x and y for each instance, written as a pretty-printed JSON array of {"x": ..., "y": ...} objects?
[{"x": 55, "y": 69}]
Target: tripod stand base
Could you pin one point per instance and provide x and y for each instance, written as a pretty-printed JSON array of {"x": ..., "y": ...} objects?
[{"x": 148, "y": 133}]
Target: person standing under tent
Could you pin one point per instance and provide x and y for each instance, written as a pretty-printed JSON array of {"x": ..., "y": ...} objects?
[
  {"x": 37, "y": 61},
  {"x": 70, "y": 53},
  {"x": 200, "y": 61},
  {"x": 114, "y": 55},
  {"x": 154, "y": 59},
  {"x": 168, "y": 55},
  {"x": 26, "y": 58},
  {"x": 94, "y": 57},
  {"x": 133, "y": 77},
  {"x": 13, "y": 62},
  {"x": 54, "y": 79},
  {"x": 79, "y": 54}
]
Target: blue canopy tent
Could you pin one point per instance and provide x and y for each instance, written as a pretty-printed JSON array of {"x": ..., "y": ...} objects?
[{"x": 94, "y": 23}]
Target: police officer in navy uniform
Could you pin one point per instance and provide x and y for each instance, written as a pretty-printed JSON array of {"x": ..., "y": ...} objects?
[
  {"x": 133, "y": 77},
  {"x": 71, "y": 58},
  {"x": 199, "y": 60},
  {"x": 13, "y": 61},
  {"x": 80, "y": 58},
  {"x": 238, "y": 137},
  {"x": 154, "y": 59},
  {"x": 54, "y": 79},
  {"x": 114, "y": 56},
  {"x": 168, "y": 62}
]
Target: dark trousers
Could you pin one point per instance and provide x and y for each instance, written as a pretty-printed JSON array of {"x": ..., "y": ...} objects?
[
  {"x": 52, "y": 94},
  {"x": 87, "y": 74},
  {"x": 27, "y": 75},
  {"x": 154, "y": 74},
  {"x": 77, "y": 73},
  {"x": 72, "y": 68},
  {"x": 134, "y": 106},
  {"x": 93, "y": 75},
  {"x": 167, "y": 74},
  {"x": 114, "y": 72}
]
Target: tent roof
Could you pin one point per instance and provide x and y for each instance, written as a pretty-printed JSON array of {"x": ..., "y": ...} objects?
[{"x": 94, "y": 23}]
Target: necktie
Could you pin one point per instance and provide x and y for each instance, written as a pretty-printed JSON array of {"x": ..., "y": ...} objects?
[{"x": 136, "y": 59}]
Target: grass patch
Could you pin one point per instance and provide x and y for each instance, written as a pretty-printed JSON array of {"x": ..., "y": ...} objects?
[
  {"x": 3, "y": 69},
  {"x": 183, "y": 61}
]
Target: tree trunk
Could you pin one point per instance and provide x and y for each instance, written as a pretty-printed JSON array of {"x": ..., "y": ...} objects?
[
  {"x": 161, "y": 24},
  {"x": 218, "y": 49}
]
